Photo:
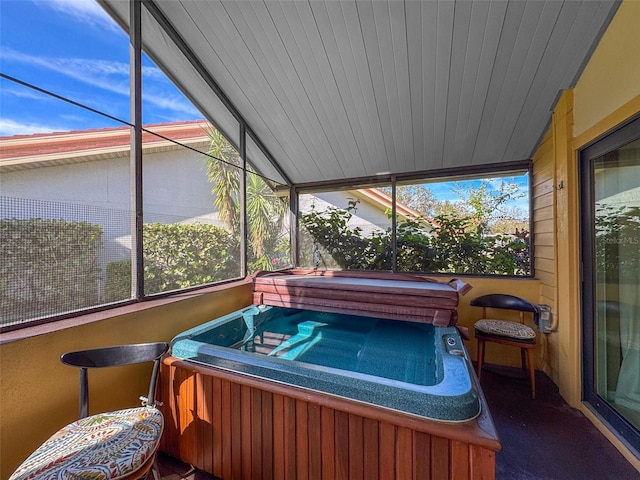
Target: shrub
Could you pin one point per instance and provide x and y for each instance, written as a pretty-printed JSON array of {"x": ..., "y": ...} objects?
[
  {"x": 118, "y": 283},
  {"x": 186, "y": 255},
  {"x": 48, "y": 267},
  {"x": 446, "y": 244}
]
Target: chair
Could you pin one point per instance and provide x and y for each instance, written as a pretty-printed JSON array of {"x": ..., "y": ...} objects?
[
  {"x": 513, "y": 333},
  {"x": 115, "y": 445}
]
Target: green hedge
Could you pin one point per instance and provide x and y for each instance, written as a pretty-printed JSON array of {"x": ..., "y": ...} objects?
[
  {"x": 186, "y": 255},
  {"x": 47, "y": 267},
  {"x": 50, "y": 267},
  {"x": 118, "y": 284},
  {"x": 177, "y": 256}
]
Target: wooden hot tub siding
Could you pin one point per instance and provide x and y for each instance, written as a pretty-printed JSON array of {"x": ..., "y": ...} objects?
[{"x": 240, "y": 427}]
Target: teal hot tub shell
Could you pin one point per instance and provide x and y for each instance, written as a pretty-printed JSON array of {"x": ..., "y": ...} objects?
[{"x": 415, "y": 368}]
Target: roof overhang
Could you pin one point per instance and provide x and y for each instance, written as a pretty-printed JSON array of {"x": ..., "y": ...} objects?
[{"x": 22, "y": 152}]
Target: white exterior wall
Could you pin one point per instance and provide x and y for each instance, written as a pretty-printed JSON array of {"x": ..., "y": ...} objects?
[
  {"x": 102, "y": 183},
  {"x": 175, "y": 184},
  {"x": 368, "y": 217},
  {"x": 175, "y": 189}
]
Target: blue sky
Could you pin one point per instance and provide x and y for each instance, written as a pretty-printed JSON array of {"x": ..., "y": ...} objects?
[
  {"x": 74, "y": 49},
  {"x": 446, "y": 190}
]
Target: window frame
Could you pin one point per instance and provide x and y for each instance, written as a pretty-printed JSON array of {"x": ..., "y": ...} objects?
[
  {"x": 393, "y": 180},
  {"x": 612, "y": 140},
  {"x": 134, "y": 32}
]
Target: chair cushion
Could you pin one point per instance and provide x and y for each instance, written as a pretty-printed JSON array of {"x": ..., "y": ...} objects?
[
  {"x": 503, "y": 328},
  {"x": 106, "y": 446}
]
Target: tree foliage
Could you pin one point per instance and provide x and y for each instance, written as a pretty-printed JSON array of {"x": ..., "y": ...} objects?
[
  {"x": 223, "y": 172},
  {"x": 458, "y": 241},
  {"x": 418, "y": 197},
  {"x": 486, "y": 199},
  {"x": 268, "y": 242}
]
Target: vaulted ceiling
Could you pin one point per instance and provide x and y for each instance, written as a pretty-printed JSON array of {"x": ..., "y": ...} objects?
[{"x": 351, "y": 89}]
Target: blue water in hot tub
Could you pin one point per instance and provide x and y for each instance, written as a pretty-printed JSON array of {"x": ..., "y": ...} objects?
[
  {"x": 409, "y": 367},
  {"x": 402, "y": 351}
]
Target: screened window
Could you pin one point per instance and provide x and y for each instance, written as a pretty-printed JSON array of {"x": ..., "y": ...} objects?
[
  {"x": 65, "y": 214},
  {"x": 465, "y": 225},
  {"x": 268, "y": 214},
  {"x": 191, "y": 233},
  {"x": 460, "y": 225},
  {"x": 190, "y": 189},
  {"x": 346, "y": 229},
  {"x": 70, "y": 191},
  {"x": 268, "y": 234}
]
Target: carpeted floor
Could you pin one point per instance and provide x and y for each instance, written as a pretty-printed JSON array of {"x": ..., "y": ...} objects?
[
  {"x": 545, "y": 439},
  {"x": 542, "y": 439},
  {"x": 172, "y": 469}
]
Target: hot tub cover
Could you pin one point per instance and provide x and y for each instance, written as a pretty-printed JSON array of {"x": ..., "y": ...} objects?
[{"x": 385, "y": 295}]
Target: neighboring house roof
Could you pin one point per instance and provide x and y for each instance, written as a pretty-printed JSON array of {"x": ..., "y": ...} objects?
[
  {"x": 20, "y": 152},
  {"x": 375, "y": 195},
  {"x": 58, "y": 148}
]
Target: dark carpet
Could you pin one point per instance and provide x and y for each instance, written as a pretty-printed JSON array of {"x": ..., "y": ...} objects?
[{"x": 546, "y": 439}]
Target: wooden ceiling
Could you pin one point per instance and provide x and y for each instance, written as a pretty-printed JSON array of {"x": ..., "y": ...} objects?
[{"x": 352, "y": 89}]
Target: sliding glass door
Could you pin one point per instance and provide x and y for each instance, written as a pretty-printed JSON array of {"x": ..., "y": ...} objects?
[{"x": 611, "y": 290}]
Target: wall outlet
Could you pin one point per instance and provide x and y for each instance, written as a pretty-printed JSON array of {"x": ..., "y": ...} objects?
[{"x": 546, "y": 319}]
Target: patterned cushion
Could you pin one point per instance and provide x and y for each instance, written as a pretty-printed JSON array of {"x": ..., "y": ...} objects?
[
  {"x": 503, "y": 328},
  {"x": 106, "y": 446}
]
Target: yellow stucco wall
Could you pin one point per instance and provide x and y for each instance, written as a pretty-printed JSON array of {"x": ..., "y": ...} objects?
[
  {"x": 611, "y": 79},
  {"x": 38, "y": 394},
  {"x": 606, "y": 96}
]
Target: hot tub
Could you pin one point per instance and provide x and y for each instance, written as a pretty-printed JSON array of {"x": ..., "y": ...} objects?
[
  {"x": 330, "y": 375},
  {"x": 414, "y": 368}
]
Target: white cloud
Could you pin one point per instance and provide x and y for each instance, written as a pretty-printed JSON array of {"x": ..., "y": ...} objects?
[
  {"x": 173, "y": 104},
  {"x": 110, "y": 76},
  {"x": 9, "y": 128},
  {"x": 72, "y": 119},
  {"x": 153, "y": 73},
  {"x": 20, "y": 92},
  {"x": 85, "y": 11}
]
